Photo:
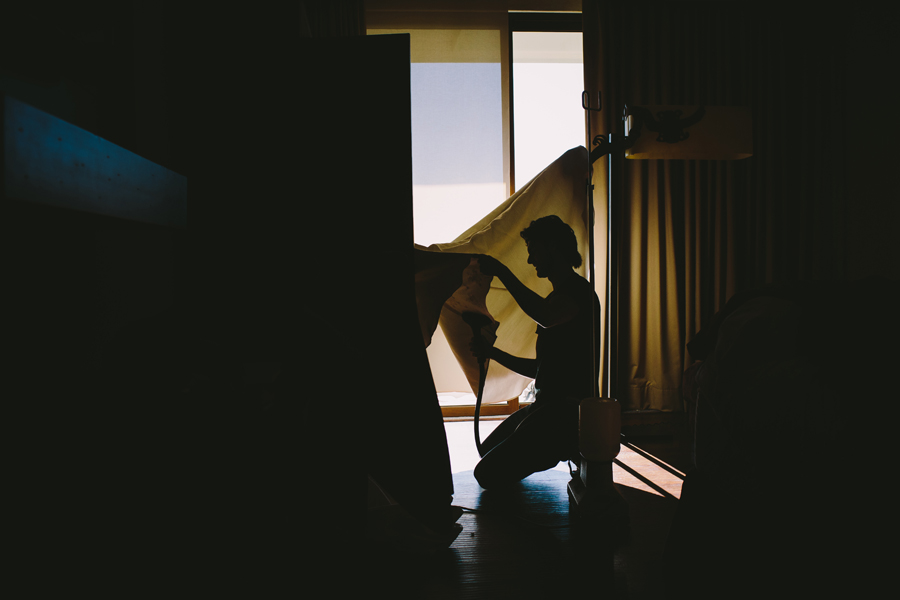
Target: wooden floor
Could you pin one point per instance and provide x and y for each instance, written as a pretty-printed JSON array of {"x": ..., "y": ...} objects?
[{"x": 528, "y": 542}]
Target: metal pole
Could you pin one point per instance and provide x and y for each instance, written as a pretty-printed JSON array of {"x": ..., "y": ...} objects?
[
  {"x": 586, "y": 105},
  {"x": 612, "y": 287}
]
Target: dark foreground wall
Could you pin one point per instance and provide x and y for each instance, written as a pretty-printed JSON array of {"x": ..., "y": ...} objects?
[{"x": 197, "y": 411}]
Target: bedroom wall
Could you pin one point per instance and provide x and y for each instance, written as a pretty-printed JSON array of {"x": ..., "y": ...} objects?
[
  {"x": 873, "y": 215},
  {"x": 190, "y": 90},
  {"x": 87, "y": 65}
]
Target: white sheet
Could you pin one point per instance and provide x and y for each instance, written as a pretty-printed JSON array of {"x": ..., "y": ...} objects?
[{"x": 447, "y": 284}]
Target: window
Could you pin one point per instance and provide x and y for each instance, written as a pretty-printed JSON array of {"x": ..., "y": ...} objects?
[
  {"x": 464, "y": 136},
  {"x": 547, "y": 82},
  {"x": 459, "y": 126},
  {"x": 460, "y": 133}
]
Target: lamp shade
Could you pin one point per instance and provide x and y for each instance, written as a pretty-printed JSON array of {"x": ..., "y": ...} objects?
[
  {"x": 689, "y": 132},
  {"x": 599, "y": 428}
]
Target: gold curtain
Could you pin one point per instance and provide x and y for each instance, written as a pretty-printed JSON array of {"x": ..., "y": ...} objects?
[{"x": 693, "y": 233}]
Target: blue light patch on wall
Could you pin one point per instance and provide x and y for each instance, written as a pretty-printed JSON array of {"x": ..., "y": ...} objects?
[{"x": 49, "y": 161}]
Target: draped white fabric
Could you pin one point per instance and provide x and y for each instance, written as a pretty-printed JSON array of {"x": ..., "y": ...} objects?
[{"x": 557, "y": 190}]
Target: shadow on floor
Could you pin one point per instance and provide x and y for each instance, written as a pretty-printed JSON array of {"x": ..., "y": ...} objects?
[{"x": 526, "y": 543}]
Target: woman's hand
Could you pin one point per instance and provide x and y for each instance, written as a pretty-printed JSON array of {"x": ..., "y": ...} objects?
[{"x": 490, "y": 266}]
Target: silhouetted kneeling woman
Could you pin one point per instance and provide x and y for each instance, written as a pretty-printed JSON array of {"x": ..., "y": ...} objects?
[{"x": 538, "y": 436}]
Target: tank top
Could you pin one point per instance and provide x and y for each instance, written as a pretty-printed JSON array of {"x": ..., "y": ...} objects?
[{"x": 564, "y": 351}]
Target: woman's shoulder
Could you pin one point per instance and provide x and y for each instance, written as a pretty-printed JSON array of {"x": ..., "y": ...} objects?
[
  {"x": 581, "y": 290},
  {"x": 575, "y": 285}
]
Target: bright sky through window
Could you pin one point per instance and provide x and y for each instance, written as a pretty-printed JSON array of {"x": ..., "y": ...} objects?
[
  {"x": 457, "y": 145},
  {"x": 457, "y": 104},
  {"x": 456, "y": 96},
  {"x": 547, "y": 84}
]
